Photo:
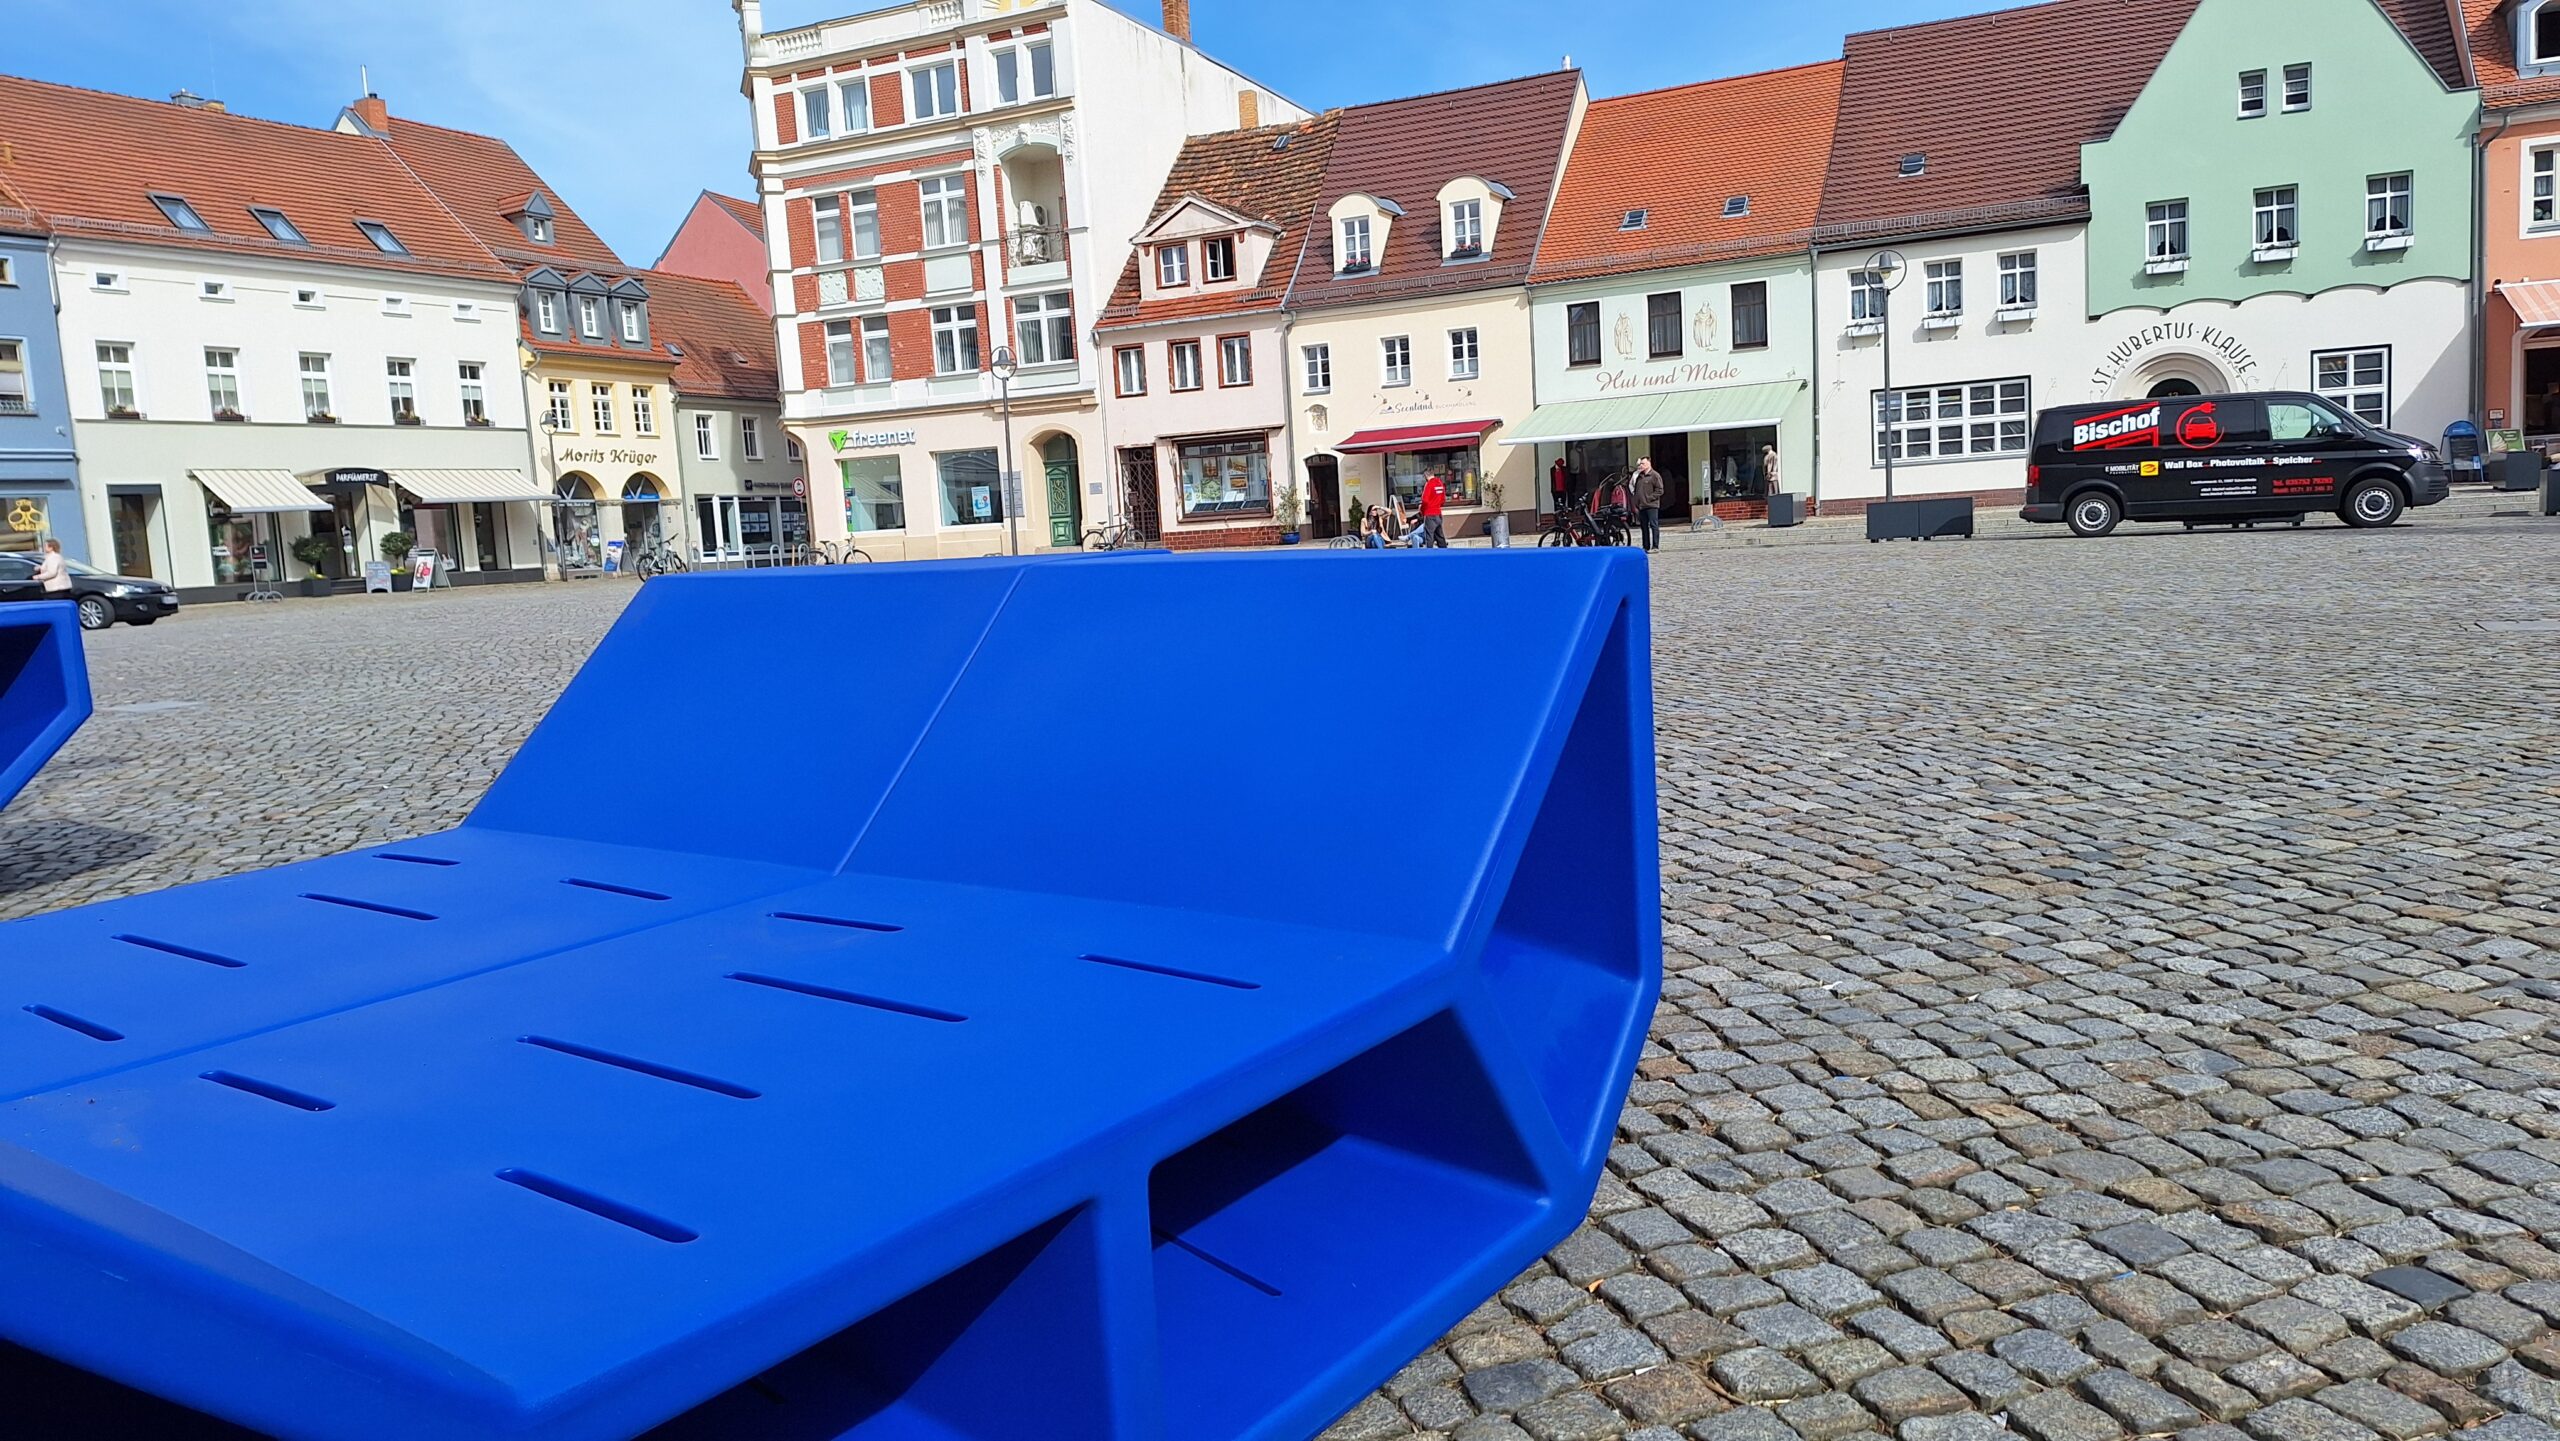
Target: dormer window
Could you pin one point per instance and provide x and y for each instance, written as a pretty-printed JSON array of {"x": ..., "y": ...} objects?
[
  {"x": 1635, "y": 220},
  {"x": 1915, "y": 163},
  {"x": 1470, "y": 216},
  {"x": 1466, "y": 228},
  {"x": 2539, "y": 37},
  {"x": 1173, "y": 266},
  {"x": 546, "y": 313},
  {"x": 1354, "y": 246},
  {"x": 1218, "y": 258},
  {"x": 532, "y": 218},
  {"x": 277, "y": 224},
  {"x": 1736, "y": 206},
  {"x": 590, "y": 316},
  {"x": 179, "y": 213},
  {"x": 537, "y": 229},
  {"x": 631, "y": 324}
]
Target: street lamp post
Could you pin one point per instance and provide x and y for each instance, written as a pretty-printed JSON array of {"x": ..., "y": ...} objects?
[
  {"x": 1005, "y": 496},
  {"x": 1888, "y": 267},
  {"x": 547, "y": 527}
]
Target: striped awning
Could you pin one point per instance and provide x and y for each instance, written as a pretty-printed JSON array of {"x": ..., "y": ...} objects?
[
  {"x": 468, "y": 487},
  {"x": 258, "y": 492},
  {"x": 1677, "y": 412},
  {"x": 2536, "y": 302}
]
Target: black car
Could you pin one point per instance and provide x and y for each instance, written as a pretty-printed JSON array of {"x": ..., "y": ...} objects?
[
  {"x": 103, "y": 599},
  {"x": 2223, "y": 460}
]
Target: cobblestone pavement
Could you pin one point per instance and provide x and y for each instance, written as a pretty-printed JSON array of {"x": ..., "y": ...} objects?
[{"x": 2110, "y": 985}]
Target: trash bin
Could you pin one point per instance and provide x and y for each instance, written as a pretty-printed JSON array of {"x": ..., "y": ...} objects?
[
  {"x": 1785, "y": 509},
  {"x": 2518, "y": 470}
]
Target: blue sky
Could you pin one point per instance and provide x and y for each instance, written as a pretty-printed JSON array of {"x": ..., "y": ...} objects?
[{"x": 631, "y": 107}]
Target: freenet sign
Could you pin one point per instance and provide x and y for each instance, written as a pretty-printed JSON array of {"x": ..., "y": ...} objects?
[{"x": 869, "y": 439}]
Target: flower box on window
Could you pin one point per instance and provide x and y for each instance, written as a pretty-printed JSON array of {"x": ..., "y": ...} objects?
[
  {"x": 1864, "y": 327},
  {"x": 407, "y": 417},
  {"x": 2014, "y": 314},
  {"x": 480, "y": 422},
  {"x": 229, "y": 417},
  {"x": 1941, "y": 320},
  {"x": 123, "y": 412},
  {"x": 1467, "y": 252},
  {"x": 2166, "y": 265},
  {"x": 320, "y": 417},
  {"x": 2272, "y": 254},
  {"x": 2401, "y": 241}
]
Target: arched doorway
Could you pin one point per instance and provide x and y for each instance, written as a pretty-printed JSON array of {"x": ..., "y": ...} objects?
[
  {"x": 2173, "y": 374},
  {"x": 1066, "y": 490},
  {"x": 577, "y": 528},
  {"x": 643, "y": 514},
  {"x": 2173, "y": 388}
]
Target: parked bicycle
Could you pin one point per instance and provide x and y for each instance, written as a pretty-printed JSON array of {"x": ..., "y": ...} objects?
[
  {"x": 1120, "y": 534},
  {"x": 1573, "y": 525},
  {"x": 659, "y": 559}
]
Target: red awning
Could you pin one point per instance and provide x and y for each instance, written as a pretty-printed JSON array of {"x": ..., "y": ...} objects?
[
  {"x": 1447, "y": 435},
  {"x": 2536, "y": 302}
]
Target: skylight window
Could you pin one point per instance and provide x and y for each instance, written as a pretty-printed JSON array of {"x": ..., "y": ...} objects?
[
  {"x": 277, "y": 225},
  {"x": 382, "y": 238},
  {"x": 1915, "y": 164},
  {"x": 179, "y": 213},
  {"x": 1736, "y": 206},
  {"x": 1635, "y": 220}
]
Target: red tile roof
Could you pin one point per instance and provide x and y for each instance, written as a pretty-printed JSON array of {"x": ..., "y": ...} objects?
[
  {"x": 1251, "y": 173},
  {"x": 481, "y": 179},
  {"x": 1680, "y": 155},
  {"x": 748, "y": 213},
  {"x": 726, "y": 337},
  {"x": 2489, "y": 27},
  {"x": 85, "y": 161},
  {"x": 2429, "y": 25},
  {"x": 1511, "y": 132},
  {"x": 1999, "y": 103}
]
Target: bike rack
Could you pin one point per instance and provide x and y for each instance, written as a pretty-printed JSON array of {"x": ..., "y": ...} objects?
[
  {"x": 44, "y": 688},
  {"x": 942, "y": 1100}
]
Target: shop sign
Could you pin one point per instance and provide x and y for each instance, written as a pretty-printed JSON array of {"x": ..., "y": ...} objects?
[
  {"x": 2212, "y": 340},
  {"x": 1692, "y": 372},
  {"x": 23, "y": 513},
  {"x": 355, "y": 477},
  {"x": 609, "y": 457},
  {"x": 869, "y": 439},
  {"x": 1422, "y": 400}
]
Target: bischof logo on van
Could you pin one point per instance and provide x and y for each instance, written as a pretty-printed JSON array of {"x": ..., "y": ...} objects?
[
  {"x": 2117, "y": 429},
  {"x": 2198, "y": 430}
]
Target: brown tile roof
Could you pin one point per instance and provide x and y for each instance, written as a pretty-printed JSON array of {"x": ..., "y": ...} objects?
[
  {"x": 1679, "y": 155},
  {"x": 746, "y": 212},
  {"x": 726, "y": 337},
  {"x": 2489, "y": 26},
  {"x": 1251, "y": 173},
  {"x": 2429, "y": 24},
  {"x": 1999, "y": 103},
  {"x": 84, "y": 162},
  {"x": 1511, "y": 132},
  {"x": 481, "y": 178}
]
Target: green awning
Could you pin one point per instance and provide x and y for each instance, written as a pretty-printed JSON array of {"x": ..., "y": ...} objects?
[{"x": 1675, "y": 412}]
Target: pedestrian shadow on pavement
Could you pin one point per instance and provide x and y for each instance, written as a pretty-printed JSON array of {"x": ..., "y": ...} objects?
[{"x": 48, "y": 852}]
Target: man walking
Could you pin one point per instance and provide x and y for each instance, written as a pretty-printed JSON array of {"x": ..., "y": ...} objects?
[
  {"x": 1649, "y": 502},
  {"x": 1435, "y": 497}
]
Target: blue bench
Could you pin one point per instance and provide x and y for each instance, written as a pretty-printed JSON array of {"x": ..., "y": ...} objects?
[
  {"x": 1093, "y": 1000},
  {"x": 44, "y": 688}
]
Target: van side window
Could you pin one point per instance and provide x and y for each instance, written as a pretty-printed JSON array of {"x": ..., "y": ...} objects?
[{"x": 2293, "y": 420}]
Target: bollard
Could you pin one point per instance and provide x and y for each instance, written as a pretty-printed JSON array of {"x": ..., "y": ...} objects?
[
  {"x": 44, "y": 688},
  {"x": 1056, "y": 1064}
]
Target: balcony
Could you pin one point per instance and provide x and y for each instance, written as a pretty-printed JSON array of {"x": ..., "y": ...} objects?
[
  {"x": 16, "y": 405},
  {"x": 1037, "y": 245},
  {"x": 1035, "y": 180}
]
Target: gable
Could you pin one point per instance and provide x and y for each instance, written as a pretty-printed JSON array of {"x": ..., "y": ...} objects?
[{"x": 1195, "y": 217}]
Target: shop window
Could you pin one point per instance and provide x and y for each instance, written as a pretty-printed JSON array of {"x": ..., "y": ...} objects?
[
  {"x": 1461, "y": 470},
  {"x": 1226, "y": 477},
  {"x": 971, "y": 490},
  {"x": 1751, "y": 315},
  {"x": 235, "y": 538},
  {"x": 1662, "y": 325},
  {"x": 2358, "y": 380},
  {"x": 1965, "y": 421},
  {"x": 1582, "y": 333}
]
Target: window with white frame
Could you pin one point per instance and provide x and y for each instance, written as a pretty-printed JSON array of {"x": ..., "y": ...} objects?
[
  {"x": 1945, "y": 287},
  {"x": 115, "y": 375},
  {"x": 213, "y": 290},
  {"x": 2018, "y": 280},
  {"x": 1353, "y": 247},
  {"x": 1395, "y": 360},
  {"x": 750, "y": 438},
  {"x": 840, "y": 369},
  {"x": 2542, "y": 164},
  {"x": 1026, "y": 72},
  {"x": 2358, "y": 380},
  {"x": 1129, "y": 369},
  {"x": 791, "y": 447},
  {"x": 1182, "y": 362},
  {"x": 537, "y": 228},
  {"x": 855, "y": 111},
  {"x": 933, "y": 91},
  {"x": 2387, "y": 211},
  {"x": 2274, "y": 218},
  {"x": 706, "y": 439},
  {"x": 2164, "y": 233},
  {"x": 1235, "y": 360},
  {"x": 1465, "y": 354},
  {"x": 1866, "y": 297},
  {"x": 546, "y": 313},
  {"x": 826, "y": 227},
  {"x": 644, "y": 410},
  {"x": 1218, "y": 258},
  {"x": 475, "y": 395},
  {"x": 630, "y": 323},
  {"x": 467, "y": 311},
  {"x": 14, "y": 399},
  {"x": 600, "y": 407},
  {"x": 955, "y": 339},
  {"x": 946, "y": 210},
  {"x": 1173, "y": 266},
  {"x": 862, "y": 211},
  {"x": 1044, "y": 329},
  {"x": 2297, "y": 87},
  {"x": 817, "y": 113},
  {"x": 222, "y": 380},
  {"x": 315, "y": 384},
  {"x": 590, "y": 316},
  {"x": 8, "y": 271},
  {"x": 1319, "y": 365},
  {"x": 395, "y": 305},
  {"x": 556, "y": 406},
  {"x": 2253, "y": 94},
  {"x": 2543, "y": 45},
  {"x": 106, "y": 280},
  {"x": 1964, "y": 421},
  {"x": 400, "y": 381},
  {"x": 1466, "y": 227},
  {"x": 308, "y": 297},
  {"x": 876, "y": 358}
]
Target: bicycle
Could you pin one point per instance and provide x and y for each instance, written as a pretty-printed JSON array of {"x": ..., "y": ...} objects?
[
  {"x": 1573, "y": 525},
  {"x": 660, "y": 559},
  {"x": 1113, "y": 535}
]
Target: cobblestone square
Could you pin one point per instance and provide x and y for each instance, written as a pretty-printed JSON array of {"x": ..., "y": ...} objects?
[{"x": 2109, "y": 986}]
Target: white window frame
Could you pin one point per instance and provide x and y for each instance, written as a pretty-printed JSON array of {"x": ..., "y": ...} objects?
[
  {"x": 944, "y": 201},
  {"x": 1395, "y": 360},
  {"x": 937, "y": 82},
  {"x": 316, "y": 378},
  {"x": 1943, "y": 288},
  {"x": 2346, "y": 395},
  {"x": 310, "y": 297},
  {"x": 632, "y": 334},
  {"x": 1466, "y": 353},
  {"x": 546, "y": 313},
  {"x": 221, "y": 377},
  {"x": 124, "y": 393},
  {"x": 1024, "y": 61},
  {"x": 110, "y": 282},
  {"x": 1217, "y": 259},
  {"x": 8, "y": 270},
  {"x": 1129, "y": 370},
  {"x": 470, "y": 376},
  {"x": 1318, "y": 360},
  {"x": 826, "y": 228},
  {"x": 2398, "y": 187},
  {"x": 1044, "y": 329},
  {"x": 955, "y": 339},
  {"x": 400, "y": 385},
  {"x": 1235, "y": 361},
  {"x": 1466, "y": 226},
  {"x": 862, "y": 224},
  {"x": 17, "y": 397},
  {"x": 2161, "y": 220},
  {"x": 2533, "y": 43},
  {"x": 750, "y": 438},
  {"x": 1979, "y": 419},
  {"x": 591, "y": 316},
  {"x": 1352, "y": 249},
  {"x": 2018, "y": 280},
  {"x": 817, "y": 113},
  {"x": 2253, "y": 94},
  {"x": 214, "y": 290},
  {"x": 879, "y": 356},
  {"x": 644, "y": 410},
  {"x": 467, "y": 311},
  {"x": 1182, "y": 366},
  {"x": 2297, "y": 82},
  {"x": 841, "y": 352},
  {"x": 560, "y": 405},
  {"x": 600, "y": 406},
  {"x": 853, "y": 106},
  {"x": 2541, "y": 187},
  {"x": 538, "y": 229},
  {"x": 706, "y": 437},
  {"x": 2275, "y": 220},
  {"x": 396, "y": 305},
  {"x": 1173, "y": 266},
  {"x": 1867, "y": 297}
]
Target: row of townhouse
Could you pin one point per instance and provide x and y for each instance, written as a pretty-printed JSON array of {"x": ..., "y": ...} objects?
[
  {"x": 1825, "y": 281},
  {"x": 220, "y": 336}
]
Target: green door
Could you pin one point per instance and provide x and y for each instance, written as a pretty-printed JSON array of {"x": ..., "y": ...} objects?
[{"x": 1066, "y": 499}]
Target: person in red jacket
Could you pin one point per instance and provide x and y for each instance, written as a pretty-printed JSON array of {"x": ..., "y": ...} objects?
[{"x": 1435, "y": 498}]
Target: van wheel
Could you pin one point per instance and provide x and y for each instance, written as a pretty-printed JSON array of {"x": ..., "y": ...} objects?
[
  {"x": 2372, "y": 504},
  {"x": 2094, "y": 513}
]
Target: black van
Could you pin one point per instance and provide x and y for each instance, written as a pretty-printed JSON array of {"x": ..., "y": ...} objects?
[{"x": 2223, "y": 460}]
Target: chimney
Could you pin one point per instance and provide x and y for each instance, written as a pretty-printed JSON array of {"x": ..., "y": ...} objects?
[
  {"x": 186, "y": 99},
  {"x": 1248, "y": 109},
  {"x": 375, "y": 115},
  {"x": 1177, "y": 20}
]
